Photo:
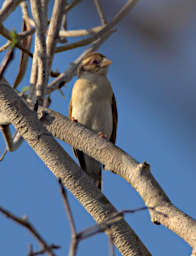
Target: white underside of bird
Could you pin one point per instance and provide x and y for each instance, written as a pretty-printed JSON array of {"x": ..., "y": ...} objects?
[{"x": 92, "y": 107}]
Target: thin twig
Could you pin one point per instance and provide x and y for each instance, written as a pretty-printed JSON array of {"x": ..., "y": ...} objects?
[
  {"x": 72, "y": 5},
  {"x": 40, "y": 252},
  {"x": 111, "y": 246},
  {"x": 23, "y": 56},
  {"x": 67, "y": 207},
  {"x": 3, "y": 155},
  {"x": 5, "y": 46},
  {"x": 100, "y": 12},
  {"x": 25, "y": 223},
  {"x": 6, "y": 61},
  {"x": 117, "y": 18},
  {"x": 5, "y": 33},
  {"x": 81, "y": 32},
  {"x": 103, "y": 226},
  {"x": 8, "y": 7},
  {"x": 75, "y": 241}
]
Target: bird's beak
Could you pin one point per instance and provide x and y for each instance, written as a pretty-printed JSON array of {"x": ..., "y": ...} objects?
[{"x": 106, "y": 63}]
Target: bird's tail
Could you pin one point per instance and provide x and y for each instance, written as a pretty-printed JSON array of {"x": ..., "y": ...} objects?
[
  {"x": 91, "y": 166},
  {"x": 93, "y": 169}
]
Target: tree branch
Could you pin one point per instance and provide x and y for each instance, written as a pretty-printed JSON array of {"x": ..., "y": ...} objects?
[
  {"x": 62, "y": 166},
  {"x": 137, "y": 174},
  {"x": 8, "y": 7},
  {"x": 100, "y": 12},
  {"x": 53, "y": 31},
  {"x": 5, "y": 33},
  {"x": 39, "y": 12},
  {"x": 25, "y": 223},
  {"x": 81, "y": 32}
]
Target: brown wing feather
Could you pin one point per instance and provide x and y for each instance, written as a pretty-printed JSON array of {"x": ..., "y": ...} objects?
[
  {"x": 115, "y": 120},
  {"x": 78, "y": 154}
]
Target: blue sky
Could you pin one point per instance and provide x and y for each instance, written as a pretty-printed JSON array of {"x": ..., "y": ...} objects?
[{"x": 154, "y": 84}]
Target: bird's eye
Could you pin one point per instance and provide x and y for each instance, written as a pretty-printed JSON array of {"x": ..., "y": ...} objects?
[{"x": 94, "y": 62}]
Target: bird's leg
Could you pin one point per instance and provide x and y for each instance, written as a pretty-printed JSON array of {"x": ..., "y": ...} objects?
[
  {"x": 101, "y": 135},
  {"x": 74, "y": 120}
]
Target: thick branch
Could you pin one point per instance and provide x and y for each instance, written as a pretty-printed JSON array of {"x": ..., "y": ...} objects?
[
  {"x": 62, "y": 166},
  {"x": 137, "y": 174}
]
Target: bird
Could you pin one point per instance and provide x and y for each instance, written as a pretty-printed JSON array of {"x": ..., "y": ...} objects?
[{"x": 93, "y": 105}]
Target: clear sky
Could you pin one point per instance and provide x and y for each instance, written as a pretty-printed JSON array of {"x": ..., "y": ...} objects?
[{"x": 155, "y": 86}]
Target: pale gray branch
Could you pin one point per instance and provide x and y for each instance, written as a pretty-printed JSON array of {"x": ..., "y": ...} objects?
[
  {"x": 5, "y": 46},
  {"x": 39, "y": 12},
  {"x": 53, "y": 31},
  {"x": 62, "y": 166},
  {"x": 81, "y": 32},
  {"x": 117, "y": 18},
  {"x": 137, "y": 174}
]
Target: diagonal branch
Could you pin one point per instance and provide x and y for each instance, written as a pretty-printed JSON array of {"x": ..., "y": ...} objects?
[
  {"x": 117, "y": 18},
  {"x": 7, "y": 8},
  {"x": 62, "y": 166},
  {"x": 137, "y": 174},
  {"x": 25, "y": 223},
  {"x": 5, "y": 33},
  {"x": 100, "y": 12},
  {"x": 81, "y": 32}
]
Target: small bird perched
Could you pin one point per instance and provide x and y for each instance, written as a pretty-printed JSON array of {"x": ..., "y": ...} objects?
[{"x": 93, "y": 104}]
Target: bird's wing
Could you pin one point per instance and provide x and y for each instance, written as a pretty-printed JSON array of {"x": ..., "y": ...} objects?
[
  {"x": 78, "y": 154},
  {"x": 115, "y": 120}
]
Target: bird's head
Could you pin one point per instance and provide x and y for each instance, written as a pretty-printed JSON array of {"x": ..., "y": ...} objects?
[{"x": 94, "y": 63}]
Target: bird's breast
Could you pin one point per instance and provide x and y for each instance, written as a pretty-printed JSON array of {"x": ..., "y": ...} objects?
[{"x": 91, "y": 105}]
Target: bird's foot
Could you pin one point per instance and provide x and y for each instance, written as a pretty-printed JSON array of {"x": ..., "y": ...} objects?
[
  {"x": 74, "y": 120},
  {"x": 101, "y": 135}
]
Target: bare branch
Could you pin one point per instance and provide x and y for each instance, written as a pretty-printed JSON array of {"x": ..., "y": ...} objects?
[
  {"x": 39, "y": 12},
  {"x": 81, "y": 32},
  {"x": 8, "y": 7},
  {"x": 5, "y": 46},
  {"x": 72, "y": 5},
  {"x": 6, "y": 61},
  {"x": 74, "y": 242},
  {"x": 5, "y": 33},
  {"x": 54, "y": 27},
  {"x": 117, "y": 18},
  {"x": 137, "y": 174},
  {"x": 67, "y": 207},
  {"x": 100, "y": 12},
  {"x": 23, "y": 56},
  {"x": 25, "y": 223},
  {"x": 73, "y": 177}
]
